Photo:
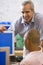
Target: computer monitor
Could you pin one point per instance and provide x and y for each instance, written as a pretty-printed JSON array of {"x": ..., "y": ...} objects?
[
  {"x": 6, "y": 40},
  {"x": 4, "y": 56}
]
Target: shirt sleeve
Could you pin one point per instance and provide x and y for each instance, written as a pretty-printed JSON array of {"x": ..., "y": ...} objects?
[
  {"x": 41, "y": 26},
  {"x": 12, "y": 28}
]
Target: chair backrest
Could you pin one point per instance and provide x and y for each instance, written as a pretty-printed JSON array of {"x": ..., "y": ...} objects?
[{"x": 4, "y": 56}]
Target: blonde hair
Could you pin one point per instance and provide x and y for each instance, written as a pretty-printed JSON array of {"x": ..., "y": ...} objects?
[{"x": 33, "y": 35}]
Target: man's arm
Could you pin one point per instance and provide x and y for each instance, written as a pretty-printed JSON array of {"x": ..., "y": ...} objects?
[{"x": 41, "y": 27}]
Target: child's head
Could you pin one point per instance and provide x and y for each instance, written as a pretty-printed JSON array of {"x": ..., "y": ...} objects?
[{"x": 32, "y": 39}]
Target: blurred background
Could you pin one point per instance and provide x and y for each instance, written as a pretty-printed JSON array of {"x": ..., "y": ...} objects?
[{"x": 10, "y": 9}]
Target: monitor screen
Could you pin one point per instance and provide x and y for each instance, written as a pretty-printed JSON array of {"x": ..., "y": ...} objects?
[
  {"x": 6, "y": 41},
  {"x": 4, "y": 56}
]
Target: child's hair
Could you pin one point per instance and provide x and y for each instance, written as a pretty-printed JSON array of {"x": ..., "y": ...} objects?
[{"x": 33, "y": 35}]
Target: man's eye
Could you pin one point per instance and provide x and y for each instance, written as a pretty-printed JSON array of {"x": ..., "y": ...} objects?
[
  {"x": 23, "y": 12},
  {"x": 27, "y": 11}
]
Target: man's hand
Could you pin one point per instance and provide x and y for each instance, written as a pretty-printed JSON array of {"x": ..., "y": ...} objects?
[{"x": 2, "y": 28}]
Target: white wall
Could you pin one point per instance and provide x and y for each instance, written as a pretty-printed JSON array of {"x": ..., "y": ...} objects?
[
  {"x": 38, "y": 5},
  {"x": 10, "y": 9}
]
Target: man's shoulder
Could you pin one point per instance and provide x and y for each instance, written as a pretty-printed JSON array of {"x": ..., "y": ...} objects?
[
  {"x": 38, "y": 15},
  {"x": 19, "y": 20}
]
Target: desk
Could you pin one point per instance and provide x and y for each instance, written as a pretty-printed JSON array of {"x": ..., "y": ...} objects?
[
  {"x": 15, "y": 59},
  {"x": 15, "y": 63},
  {"x": 18, "y": 52}
]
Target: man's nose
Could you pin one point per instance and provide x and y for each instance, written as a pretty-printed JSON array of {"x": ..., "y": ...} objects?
[{"x": 25, "y": 14}]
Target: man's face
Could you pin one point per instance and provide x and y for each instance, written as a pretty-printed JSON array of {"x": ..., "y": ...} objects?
[{"x": 27, "y": 13}]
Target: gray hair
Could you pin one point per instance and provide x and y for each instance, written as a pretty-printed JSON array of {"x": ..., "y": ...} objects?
[{"x": 28, "y": 2}]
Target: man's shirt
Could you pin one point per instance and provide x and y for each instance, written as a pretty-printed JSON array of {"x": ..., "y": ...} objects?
[{"x": 20, "y": 27}]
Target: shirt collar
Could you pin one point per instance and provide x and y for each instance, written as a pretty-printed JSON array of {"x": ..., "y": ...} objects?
[{"x": 24, "y": 21}]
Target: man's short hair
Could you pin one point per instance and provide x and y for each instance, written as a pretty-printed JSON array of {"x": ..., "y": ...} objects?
[
  {"x": 33, "y": 35},
  {"x": 28, "y": 2}
]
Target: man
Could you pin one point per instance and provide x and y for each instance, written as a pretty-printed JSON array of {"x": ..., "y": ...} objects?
[
  {"x": 32, "y": 43},
  {"x": 28, "y": 20}
]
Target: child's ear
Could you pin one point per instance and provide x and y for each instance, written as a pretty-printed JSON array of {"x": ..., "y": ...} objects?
[{"x": 27, "y": 41}]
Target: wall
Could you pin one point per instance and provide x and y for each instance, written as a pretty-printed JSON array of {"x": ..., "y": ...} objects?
[{"x": 10, "y": 9}]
